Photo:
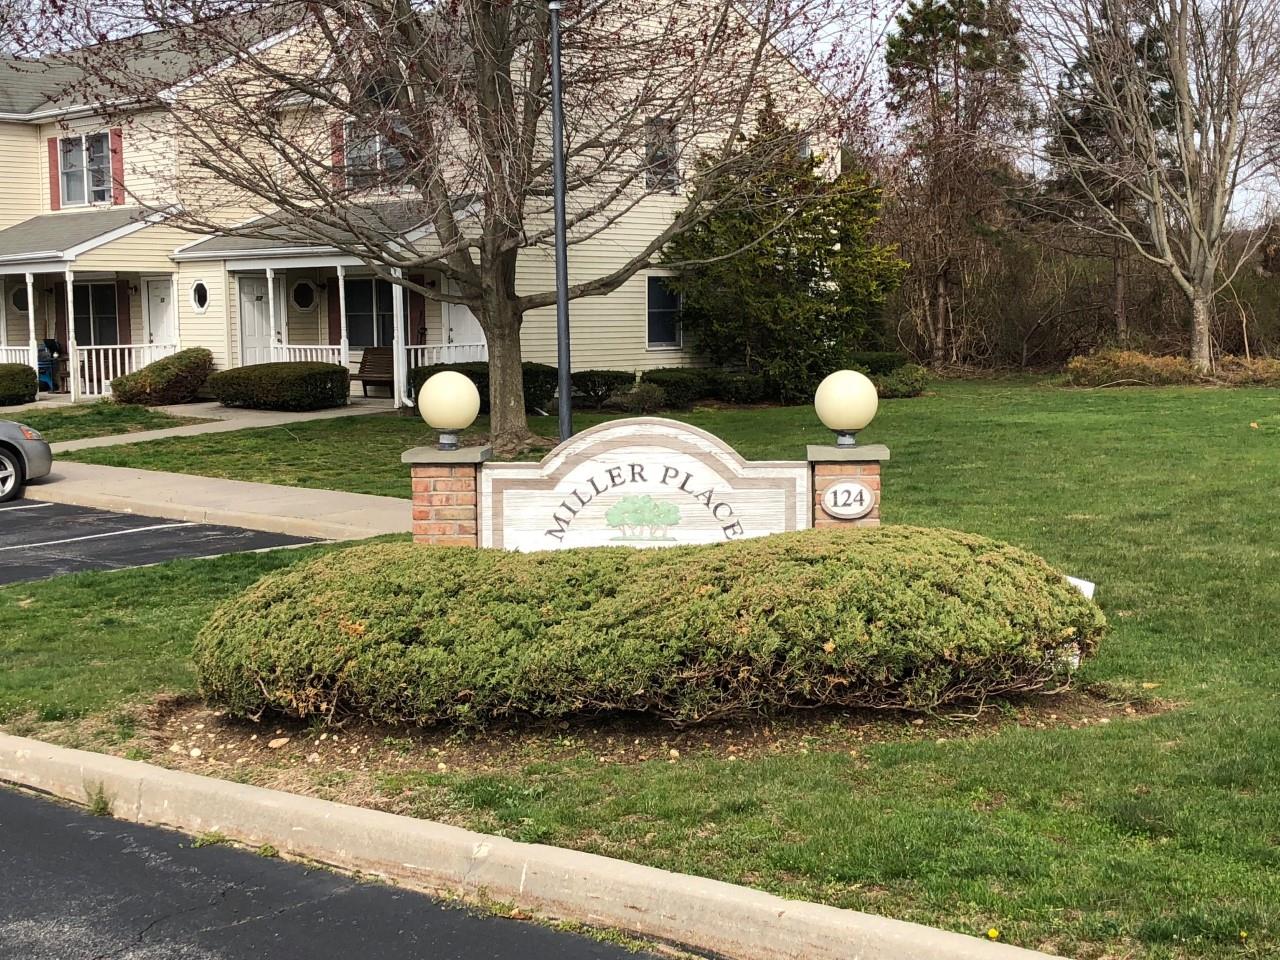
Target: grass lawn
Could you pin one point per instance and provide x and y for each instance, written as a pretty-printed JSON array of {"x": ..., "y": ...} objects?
[
  {"x": 1155, "y": 837},
  {"x": 101, "y": 419}
]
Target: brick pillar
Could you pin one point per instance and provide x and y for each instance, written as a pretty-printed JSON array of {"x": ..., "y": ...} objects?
[
  {"x": 446, "y": 494},
  {"x": 854, "y": 473}
]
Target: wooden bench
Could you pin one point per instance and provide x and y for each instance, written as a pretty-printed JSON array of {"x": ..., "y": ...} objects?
[{"x": 376, "y": 366}]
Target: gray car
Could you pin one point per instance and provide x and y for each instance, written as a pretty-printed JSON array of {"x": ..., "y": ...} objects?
[{"x": 23, "y": 456}]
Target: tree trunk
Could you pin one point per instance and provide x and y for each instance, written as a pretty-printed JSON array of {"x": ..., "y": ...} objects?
[
  {"x": 941, "y": 312},
  {"x": 1201, "y": 354},
  {"x": 508, "y": 426},
  {"x": 1119, "y": 311}
]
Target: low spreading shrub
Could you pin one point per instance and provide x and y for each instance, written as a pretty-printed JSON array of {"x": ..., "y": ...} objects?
[
  {"x": 639, "y": 398},
  {"x": 1249, "y": 372},
  {"x": 539, "y": 381},
  {"x": 683, "y": 387},
  {"x": 878, "y": 362},
  {"x": 881, "y": 617},
  {"x": 742, "y": 388},
  {"x": 174, "y": 379},
  {"x": 1128, "y": 367},
  {"x": 18, "y": 384},
  {"x": 908, "y": 380},
  {"x": 597, "y": 386},
  {"x": 282, "y": 386}
]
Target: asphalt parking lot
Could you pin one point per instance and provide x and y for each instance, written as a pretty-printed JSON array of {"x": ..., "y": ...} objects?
[{"x": 40, "y": 540}]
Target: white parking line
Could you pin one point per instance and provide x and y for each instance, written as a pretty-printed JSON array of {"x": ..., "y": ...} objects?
[
  {"x": 96, "y": 536},
  {"x": 26, "y": 506}
]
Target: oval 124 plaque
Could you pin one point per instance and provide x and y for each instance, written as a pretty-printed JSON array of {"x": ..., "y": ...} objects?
[{"x": 848, "y": 500}]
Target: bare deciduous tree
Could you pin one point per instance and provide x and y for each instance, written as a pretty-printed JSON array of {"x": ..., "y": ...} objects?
[
  {"x": 455, "y": 96},
  {"x": 1180, "y": 97}
]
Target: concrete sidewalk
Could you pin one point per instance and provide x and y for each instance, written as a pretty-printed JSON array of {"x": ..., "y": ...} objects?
[
  {"x": 327, "y": 514},
  {"x": 224, "y": 420}
]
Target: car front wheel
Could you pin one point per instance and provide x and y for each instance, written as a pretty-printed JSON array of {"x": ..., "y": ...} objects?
[{"x": 11, "y": 478}]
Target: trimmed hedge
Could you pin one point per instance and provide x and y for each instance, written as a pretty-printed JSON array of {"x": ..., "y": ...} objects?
[
  {"x": 742, "y": 388},
  {"x": 683, "y": 387},
  {"x": 908, "y": 380},
  {"x": 174, "y": 379},
  {"x": 880, "y": 617},
  {"x": 639, "y": 398},
  {"x": 18, "y": 384},
  {"x": 540, "y": 381},
  {"x": 301, "y": 385},
  {"x": 597, "y": 386}
]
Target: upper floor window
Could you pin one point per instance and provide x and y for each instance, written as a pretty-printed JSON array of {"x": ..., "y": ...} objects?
[
  {"x": 664, "y": 314},
  {"x": 662, "y": 156},
  {"x": 372, "y": 156},
  {"x": 84, "y": 163}
]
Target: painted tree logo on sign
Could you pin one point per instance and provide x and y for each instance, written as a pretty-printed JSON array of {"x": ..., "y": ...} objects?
[{"x": 640, "y": 517}]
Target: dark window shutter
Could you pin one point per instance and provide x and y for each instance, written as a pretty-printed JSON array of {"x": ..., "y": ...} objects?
[
  {"x": 55, "y": 181},
  {"x": 117, "y": 168},
  {"x": 335, "y": 310},
  {"x": 417, "y": 313},
  {"x": 60, "y": 315},
  {"x": 337, "y": 136},
  {"x": 124, "y": 322}
]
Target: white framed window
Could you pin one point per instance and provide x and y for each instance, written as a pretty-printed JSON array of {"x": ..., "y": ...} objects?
[
  {"x": 18, "y": 299},
  {"x": 199, "y": 296},
  {"x": 371, "y": 157},
  {"x": 662, "y": 155},
  {"x": 95, "y": 313},
  {"x": 84, "y": 169},
  {"x": 304, "y": 296},
  {"x": 664, "y": 315},
  {"x": 370, "y": 315}
]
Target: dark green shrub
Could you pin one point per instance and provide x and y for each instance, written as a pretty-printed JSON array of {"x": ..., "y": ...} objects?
[
  {"x": 18, "y": 384},
  {"x": 174, "y": 379},
  {"x": 878, "y": 362},
  {"x": 683, "y": 387},
  {"x": 539, "y": 381},
  {"x": 877, "y": 617},
  {"x": 1107, "y": 368},
  {"x": 639, "y": 398},
  {"x": 597, "y": 386},
  {"x": 908, "y": 380},
  {"x": 742, "y": 388},
  {"x": 282, "y": 386}
]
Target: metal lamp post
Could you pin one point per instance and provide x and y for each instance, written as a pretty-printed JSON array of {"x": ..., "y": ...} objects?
[{"x": 565, "y": 388}]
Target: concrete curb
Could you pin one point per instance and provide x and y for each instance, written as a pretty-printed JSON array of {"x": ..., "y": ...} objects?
[{"x": 704, "y": 914}]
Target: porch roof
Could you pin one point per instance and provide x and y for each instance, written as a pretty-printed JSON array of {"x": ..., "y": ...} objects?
[
  {"x": 53, "y": 240},
  {"x": 300, "y": 234}
]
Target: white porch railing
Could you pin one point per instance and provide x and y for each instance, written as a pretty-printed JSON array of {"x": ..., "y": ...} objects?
[
  {"x": 98, "y": 366},
  {"x": 430, "y": 354},
  {"x": 20, "y": 354},
  {"x": 324, "y": 353}
]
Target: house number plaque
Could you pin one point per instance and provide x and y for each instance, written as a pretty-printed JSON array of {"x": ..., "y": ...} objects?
[{"x": 848, "y": 500}]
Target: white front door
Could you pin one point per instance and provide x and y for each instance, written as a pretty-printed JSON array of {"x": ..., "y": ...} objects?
[
  {"x": 255, "y": 321},
  {"x": 162, "y": 325},
  {"x": 460, "y": 324}
]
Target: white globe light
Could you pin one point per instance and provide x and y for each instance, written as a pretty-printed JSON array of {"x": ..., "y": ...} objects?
[
  {"x": 449, "y": 401},
  {"x": 846, "y": 401}
]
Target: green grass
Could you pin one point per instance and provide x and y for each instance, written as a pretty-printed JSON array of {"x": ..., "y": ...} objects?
[
  {"x": 101, "y": 419},
  {"x": 1156, "y": 837}
]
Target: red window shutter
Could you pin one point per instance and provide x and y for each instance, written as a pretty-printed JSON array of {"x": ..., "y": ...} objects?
[
  {"x": 55, "y": 182},
  {"x": 338, "y": 161},
  {"x": 417, "y": 313},
  {"x": 335, "y": 310},
  {"x": 117, "y": 167},
  {"x": 124, "y": 321}
]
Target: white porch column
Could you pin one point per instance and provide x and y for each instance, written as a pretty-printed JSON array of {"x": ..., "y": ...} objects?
[
  {"x": 344, "y": 342},
  {"x": 177, "y": 313},
  {"x": 31, "y": 320},
  {"x": 73, "y": 355},
  {"x": 271, "y": 314},
  {"x": 398, "y": 366}
]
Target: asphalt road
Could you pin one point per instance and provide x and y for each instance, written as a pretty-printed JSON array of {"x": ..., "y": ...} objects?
[
  {"x": 40, "y": 540},
  {"x": 77, "y": 887}
]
